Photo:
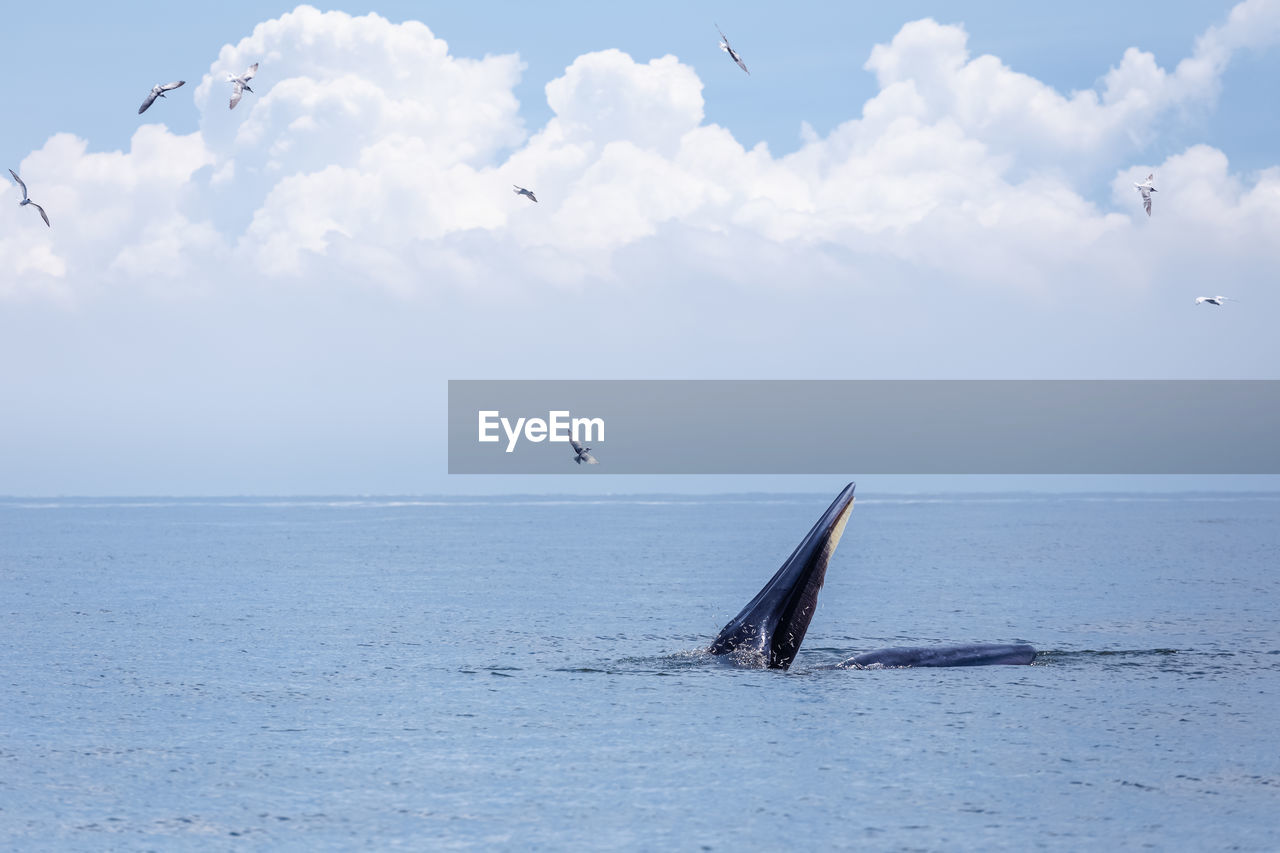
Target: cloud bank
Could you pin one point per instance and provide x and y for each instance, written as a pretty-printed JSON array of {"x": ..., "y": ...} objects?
[{"x": 370, "y": 157}]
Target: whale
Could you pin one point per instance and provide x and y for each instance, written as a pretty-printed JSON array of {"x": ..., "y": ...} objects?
[
  {"x": 981, "y": 654},
  {"x": 767, "y": 633}
]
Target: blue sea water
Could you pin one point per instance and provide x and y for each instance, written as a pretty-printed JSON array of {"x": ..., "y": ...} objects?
[{"x": 524, "y": 674}]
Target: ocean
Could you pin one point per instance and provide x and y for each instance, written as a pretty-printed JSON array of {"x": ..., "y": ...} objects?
[{"x": 526, "y": 674}]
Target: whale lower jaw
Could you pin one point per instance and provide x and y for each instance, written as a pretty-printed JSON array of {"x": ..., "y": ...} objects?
[{"x": 965, "y": 655}]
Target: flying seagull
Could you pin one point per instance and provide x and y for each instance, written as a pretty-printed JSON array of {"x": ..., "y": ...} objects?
[
  {"x": 522, "y": 191},
  {"x": 26, "y": 201},
  {"x": 583, "y": 453},
  {"x": 727, "y": 48},
  {"x": 240, "y": 84},
  {"x": 1214, "y": 300},
  {"x": 158, "y": 91},
  {"x": 1146, "y": 189}
]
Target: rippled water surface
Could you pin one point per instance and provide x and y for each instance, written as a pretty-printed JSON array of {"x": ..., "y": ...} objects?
[{"x": 525, "y": 674}]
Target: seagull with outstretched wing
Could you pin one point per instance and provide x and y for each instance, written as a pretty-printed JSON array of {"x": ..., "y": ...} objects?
[
  {"x": 583, "y": 453},
  {"x": 1147, "y": 189},
  {"x": 524, "y": 192},
  {"x": 1214, "y": 300},
  {"x": 158, "y": 91},
  {"x": 728, "y": 48},
  {"x": 25, "y": 201},
  {"x": 240, "y": 84}
]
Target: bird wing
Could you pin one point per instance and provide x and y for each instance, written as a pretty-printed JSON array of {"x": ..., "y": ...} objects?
[
  {"x": 20, "y": 183},
  {"x": 168, "y": 87},
  {"x": 151, "y": 99},
  {"x": 236, "y": 90},
  {"x": 728, "y": 48},
  {"x": 577, "y": 448},
  {"x": 249, "y": 72},
  {"x": 43, "y": 215},
  {"x": 591, "y": 460},
  {"x": 532, "y": 196}
]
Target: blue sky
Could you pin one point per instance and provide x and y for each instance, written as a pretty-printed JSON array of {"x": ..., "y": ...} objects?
[
  {"x": 270, "y": 300},
  {"x": 809, "y": 63}
]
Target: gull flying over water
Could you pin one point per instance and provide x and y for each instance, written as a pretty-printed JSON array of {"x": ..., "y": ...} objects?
[
  {"x": 727, "y": 48},
  {"x": 26, "y": 201},
  {"x": 583, "y": 453},
  {"x": 522, "y": 191},
  {"x": 240, "y": 84},
  {"x": 1147, "y": 189},
  {"x": 158, "y": 91},
  {"x": 1214, "y": 300}
]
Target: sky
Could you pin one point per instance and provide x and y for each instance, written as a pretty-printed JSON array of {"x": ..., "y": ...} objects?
[{"x": 271, "y": 299}]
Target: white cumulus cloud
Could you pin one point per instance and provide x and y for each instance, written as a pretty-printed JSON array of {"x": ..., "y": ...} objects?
[{"x": 368, "y": 154}]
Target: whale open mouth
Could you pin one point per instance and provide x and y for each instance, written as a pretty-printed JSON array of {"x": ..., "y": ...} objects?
[{"x": 769, "y": 630}]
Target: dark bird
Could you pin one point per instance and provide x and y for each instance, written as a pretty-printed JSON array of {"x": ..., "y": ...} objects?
[
  {"x": 583, "y": 453},
  {"x": 158, "y": 91},
  {"x": 241, "y": 84},
  {"x": 26, "y": 201},
  {"x": 727, "y": 48},
  {"x": 519, "y": 190}
]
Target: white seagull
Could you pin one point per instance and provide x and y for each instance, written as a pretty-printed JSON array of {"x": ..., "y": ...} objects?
[
  {"x": 583, "y": 453},
  {"x": 1214, "y": 300},
  {"x": 26, "y": 201},
  {"x": 1146, "y": 189},
  {"x": 158, "y": 91},
  {"x": 519, "y": 190},
  {"x": 240, "y": 84},
  {"x": 727, "y": 48}
]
